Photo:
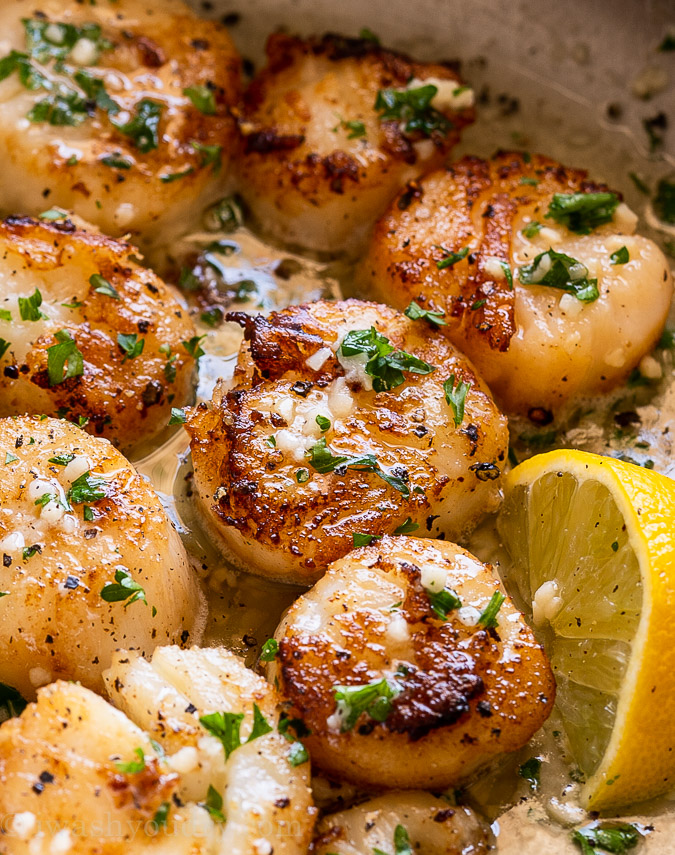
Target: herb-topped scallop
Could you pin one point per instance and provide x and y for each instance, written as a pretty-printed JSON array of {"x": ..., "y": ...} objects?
[
  {"x": 333, "y": 127},
  {"x": 90, "y": 560},
  {"x": 407, "y": 666},
  {"x": 345, "y": 421},
  {"x": 87, "y": 334},
  {"x": 533, "y": 270},
  {"x": 117, "y": 111}
]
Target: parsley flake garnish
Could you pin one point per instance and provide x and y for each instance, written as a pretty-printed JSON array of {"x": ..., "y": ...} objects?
[
  {"x": 123, "y": 589},
  {"x": 193, "y": 346},
  {"x": 143, "y": 127},
  {"x": 374, "y": 699},
  {"x": 64, "y": 360},
  {"x": 133, "y": 767},
  {"x": 412, "y": 107},
  {"x": 322, "y": 459},
  {"x": 4, "y": 347},
  {"x": 178, "y": 416},
  {"x": 269, "y": 650},
  {"x": 385, "y": 364},
  {"x": 102, "y": 286},
  {"x": 532, "y": 229},
  {"x": 621, "y": 256},
  {"x": 451, "y": 258},
  {"x": 297, "y": 754},
  {"x": 12, "y": 703},
  {"x": 582, "y": 212},
  {"x": 530, "y": 771},
  {"x": 416, "y": 313},
  {"x": 226, "y": 726},
  {"x": 161, "y": 817},
  {"x": 361, "y": 539},
  {"x": 557, "y": 270},
  {"x": 130, "y": 345},
  {"x": 664, "y": 201},
  {"x": 29, "y": 307},
  {"x": 10, "y": 458},
  {"x": 407, "y": 527},
  {"x": 323, "y": 423},
  {"x": 613, "y": 837},
  {"x": 455, "y": 397},
  {"x": 203, "y": 99},
  {"x": 214, "y": 804},
  {"x": 488, "y": 617},
  {"x": 443, "y": 602},
  {"x": 86, "y": 488}
]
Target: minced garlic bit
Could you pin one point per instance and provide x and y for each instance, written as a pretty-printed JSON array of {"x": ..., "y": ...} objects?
[{"x": 546, "y": 603}]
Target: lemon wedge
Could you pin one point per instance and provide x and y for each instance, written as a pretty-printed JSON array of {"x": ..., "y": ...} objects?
[{"x": 591, "y": 546}]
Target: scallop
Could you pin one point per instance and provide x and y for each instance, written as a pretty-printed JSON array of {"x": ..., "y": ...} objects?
[
  {"x": 345, "y": 421},
  {"x": 409, "y": 668},
  {"x": 90, "y": 560},
  {"x": 118, "y": 111},
  {"x": 333, "y": 127},
  {"x": 218, "y": 724},
  {"x": 78, "y": 777},
  {"x": 538, "y": 272},
  {"x": 430, "y": 824},
  {"x": 88, "y": 334}
]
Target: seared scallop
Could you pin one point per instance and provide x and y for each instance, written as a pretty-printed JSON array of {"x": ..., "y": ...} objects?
[
  {"x": 117, "y": 111},
  {"x": 345, "y": 421},
  {"x": 78, "y": 777},
  {"x": 218, "y": 724},
  {"x": 333, "y": 127},
  {"x": 88, "y": 334},
  {"x": 409, "y": 667},
  {"x": 90, "y": 560},
  {"x": 538, "y": 272},
  {"x": 420, "y": 821}
]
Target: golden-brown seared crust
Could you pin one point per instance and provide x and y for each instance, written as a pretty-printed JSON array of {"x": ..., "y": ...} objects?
[
  {"x": 473, "y": 203},
  {"x": 299, "y": 154},
  {"x": 125, "y": 400},
  {"x": 250, "y": 484},
  {"x": 467, "y": 692}
]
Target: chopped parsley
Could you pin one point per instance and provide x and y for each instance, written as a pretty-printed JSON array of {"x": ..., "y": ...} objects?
[
  {"x": 582, "y": 212},
  {"x": 443, "y": 602},
  {"x": 616, "y": 837},
  {"x": 203, "y": 99},
  {"x": 402, "y": 845},
  {"x": 245, "y": 289},
  {"x": 10, "y": 458},
  {"x": 143, "y": 127},
  {"x": 412, "y": 107},
  {"x": 302, "y": 475},
  {"x": 354, "y": 127},
  {"x": 211, "y": 155},
  {"x": 116, "y": 162},
  {"x": 133, "y": 767},
  {"x": 102, "y": 286},
  {"x": 29, "y": 307},
  {"x": 193, "y": 346},
  {"x": 407, "y": 527},
  {"x": 212, "y": 317},
  {"x": 52, "y": 215},
  {"x": 374, "y": 699},
  {"x": 621, "y": 256},
  {"x": 557, "y": 270},
  {"x": 62, "y": 459},
  {"x": 214, "y": 804},
  {"x": 64, "y": 360},
  {"x": 668, "y": 42},
  {"x": 530, "y": 771},
  {"x": 269, "y": 650},
  {"x": 664, "y": 201},
  {"x": 451, "y": 258},
  {"x": 455, "y": 397},
  {"x": 46, "y": 40},
  {"x": 639, "y": 183},
  {"x": 226, "y": 726},
  {"x": 225, "y": 215},
  {"x": 4, "y": 347},
  {"x": 385, "y": 364},
  {"x": 322, "y": 459},
  {"x": 130, "y": 345},
  {"x": 488, "y": 617},
  {"x": 532, "y": 182},
  {"x": 30, "y": 551},
  {"x": 532, "y": 229},
  {"x": 297, "y": 754},
  {"x": 178, "y": 416},
  {"x": 161, "y": 816},
  {"x": 86, "y": 488},
  {"x": 123, "y": 589},
  {"x": 416, "y": 313},
  {"x": 323, "y": 423},
  {"x": 175, "y": 176},
  {"x": 361, "y": 539}
]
